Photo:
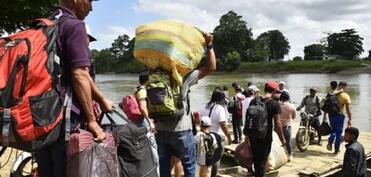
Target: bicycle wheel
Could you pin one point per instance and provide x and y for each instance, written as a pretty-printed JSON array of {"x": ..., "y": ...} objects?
[{"x": 27, "y": 168}]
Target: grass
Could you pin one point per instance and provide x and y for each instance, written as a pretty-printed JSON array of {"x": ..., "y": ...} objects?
[{"x": 328, "y": 66}]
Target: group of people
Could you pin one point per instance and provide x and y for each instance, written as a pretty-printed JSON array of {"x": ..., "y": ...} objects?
[
  {"x": 284, "y": 111},
  {"x": 174, "y": 138}
]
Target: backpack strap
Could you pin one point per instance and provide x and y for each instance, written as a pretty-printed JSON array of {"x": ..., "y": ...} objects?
[
  {"x": 68, "y": 111},
  {"x": 211, "y": 109},
  {"x": 6, "y": 121},
  {"x": 268, "y": 100}
]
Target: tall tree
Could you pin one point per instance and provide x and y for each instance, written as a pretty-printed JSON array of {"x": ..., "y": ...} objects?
[
  {"x": 347, "y": 44},
  {"x": 232, "y": 34},
  {"x": 278, "y": 44},
  {"x": 15, "y": 14},
  {"x": 120, "y": 46},
  {"x": 314, "y": 52},
  {"x": 103, "y": 60},
  {"x": 262, "y": 50}
]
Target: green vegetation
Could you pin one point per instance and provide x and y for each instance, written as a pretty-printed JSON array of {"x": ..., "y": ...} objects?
[
  {"x": 328, "y": 66},
  {"x": 234, "y": 45},
  {"x": 16, "y": 14}
]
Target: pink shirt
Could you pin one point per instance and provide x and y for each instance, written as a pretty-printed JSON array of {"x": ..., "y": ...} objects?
[{"x": 288, "y": 113}]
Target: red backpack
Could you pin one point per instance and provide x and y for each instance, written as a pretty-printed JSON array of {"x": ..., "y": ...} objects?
[
  {"x": 131, "y": 108},
  {"x": 31, "y": 106}
]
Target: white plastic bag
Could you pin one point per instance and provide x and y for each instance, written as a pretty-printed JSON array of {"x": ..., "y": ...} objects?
[{"x": 277, "y": 157}]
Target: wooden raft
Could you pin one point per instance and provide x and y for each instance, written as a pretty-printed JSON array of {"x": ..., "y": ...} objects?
[{"x": 317, "y": 161}]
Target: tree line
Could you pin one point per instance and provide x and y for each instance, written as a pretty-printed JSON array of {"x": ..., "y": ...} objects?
[
  {"x": 233, "y": 41},
  {"x": 234, "y": 44}
]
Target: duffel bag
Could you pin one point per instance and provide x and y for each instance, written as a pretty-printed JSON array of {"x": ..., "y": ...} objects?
[{"x": 134, "y": 149}]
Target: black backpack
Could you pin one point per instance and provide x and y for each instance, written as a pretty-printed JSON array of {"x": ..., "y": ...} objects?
[
  {"x": 331, "y": 104},
  {"x": 134, "y": 150},
  {"x": 213, "y": 154},
  {"x": 256, "y": 124}
]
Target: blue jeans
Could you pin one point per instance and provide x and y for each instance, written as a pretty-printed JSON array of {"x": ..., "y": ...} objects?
[
  {"x": 337, "y": 124},
  {"x": 180, "y": 144},
  {"x": 287, "y": 135}
]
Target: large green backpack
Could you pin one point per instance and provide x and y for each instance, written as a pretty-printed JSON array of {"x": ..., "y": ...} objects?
[{"x": 165, "y": 102}]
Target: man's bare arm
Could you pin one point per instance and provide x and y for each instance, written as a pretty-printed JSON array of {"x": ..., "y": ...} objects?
[
  {"x": 211, "y": 59},
  {"x": 81, "y": 83},
  {"x": 278, "y": 128}
]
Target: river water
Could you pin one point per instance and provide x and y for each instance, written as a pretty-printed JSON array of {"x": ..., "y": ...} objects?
[{"x": 115, "y": 86}]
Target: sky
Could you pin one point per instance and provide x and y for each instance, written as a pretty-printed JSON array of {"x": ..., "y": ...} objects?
[{"x": 303, "y": 22}]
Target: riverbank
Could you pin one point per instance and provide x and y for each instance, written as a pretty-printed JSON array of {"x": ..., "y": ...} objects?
[{"x": 328, "y": 66}]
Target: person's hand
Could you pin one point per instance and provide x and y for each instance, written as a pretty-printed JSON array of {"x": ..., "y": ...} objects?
[
  {"x": 247, "y": 139},
  {"x": 283, "y": 143},
  {"x": 106, "y": 105},
  {"x": 349, "y": 123},
  {"x": 97, "y": 131},
  {"x": 208, "y": 38},
  {"x": 152, "y": 127}
]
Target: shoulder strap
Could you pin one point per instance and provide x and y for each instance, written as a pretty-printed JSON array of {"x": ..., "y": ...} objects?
[
  {"x": 268, "y": 100},
  {"x": 211, "y": 109},
  {"x": 188, "y": 101},
  {"x": 138, "y": 89}
]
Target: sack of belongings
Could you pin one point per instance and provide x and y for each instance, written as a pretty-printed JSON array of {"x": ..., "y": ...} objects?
[{"x": 171, "y": 45}]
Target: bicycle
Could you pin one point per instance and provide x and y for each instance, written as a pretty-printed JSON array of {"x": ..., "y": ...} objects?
[{"x": 23, "y": 166}]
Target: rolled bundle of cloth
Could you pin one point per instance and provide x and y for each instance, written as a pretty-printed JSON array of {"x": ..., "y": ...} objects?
[{"x": 170, "y": 45}]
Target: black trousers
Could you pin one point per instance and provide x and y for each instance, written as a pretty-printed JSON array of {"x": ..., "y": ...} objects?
[
  {"x": 316, "y": 123},
  {"x": 261, "y": 149},
  {"x": 51, "y": 161},
  {"x": 236, "y": 123}
]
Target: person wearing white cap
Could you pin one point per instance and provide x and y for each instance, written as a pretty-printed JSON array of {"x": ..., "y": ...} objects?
[
  {"x": 205, "y": 142},
  {"x": 282, "y": 87},
  {"x": 250, "y": 93}
]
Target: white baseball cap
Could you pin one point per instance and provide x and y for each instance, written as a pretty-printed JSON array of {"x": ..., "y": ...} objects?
[
  {"x": 88, "y": 31},
  {"x": 254, "y": 88},
  {"x": 205, "y": 121}
]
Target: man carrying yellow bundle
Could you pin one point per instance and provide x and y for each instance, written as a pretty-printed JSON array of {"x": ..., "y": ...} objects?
[{"x": 174, "y": 136}]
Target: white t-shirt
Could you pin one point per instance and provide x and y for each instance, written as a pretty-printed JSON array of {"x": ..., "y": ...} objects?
[
  {"x": 218, "y": 115},
  {"x": 245, "y": 105}
]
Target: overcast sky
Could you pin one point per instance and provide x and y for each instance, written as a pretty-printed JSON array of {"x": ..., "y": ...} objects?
[{"x": 303, "y": 22}]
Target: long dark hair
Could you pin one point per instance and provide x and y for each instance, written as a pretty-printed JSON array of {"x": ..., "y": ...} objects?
[{"x": 218, "y": 97}]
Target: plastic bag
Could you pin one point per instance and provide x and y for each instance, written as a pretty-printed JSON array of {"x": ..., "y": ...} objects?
[
  {"x": 88, "y": 158},
  {"x": 171, "y": 45},
  {"x": 243, "y": 154},
  {"x": 277, "y": 157}
]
